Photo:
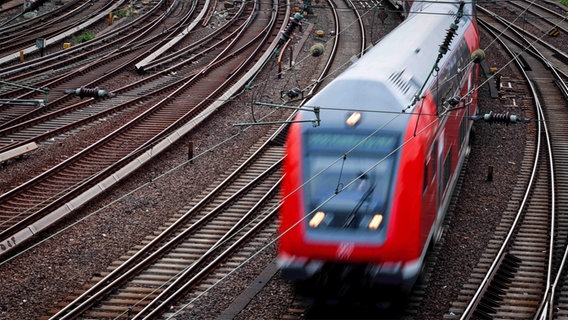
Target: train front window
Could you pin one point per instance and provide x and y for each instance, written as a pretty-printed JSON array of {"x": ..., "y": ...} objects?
[{"x": 348, "y": 180}]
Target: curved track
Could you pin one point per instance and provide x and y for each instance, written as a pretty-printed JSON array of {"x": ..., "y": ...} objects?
[
  {"x": 41, "y": 124},
  {"x": 104, "y": 61},
  {"x": 181, "y": 259},
  {"x": 43, "y": 200},
  {"x": 16, "y": 37},
  {"x": 514, "y": 281}
]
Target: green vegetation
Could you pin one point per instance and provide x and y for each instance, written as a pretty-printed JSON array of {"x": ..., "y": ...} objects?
[
  {"x": 121, "y": 13},
  {"x": 85, "y": 36},
  {"x": 565, "y": 2}
]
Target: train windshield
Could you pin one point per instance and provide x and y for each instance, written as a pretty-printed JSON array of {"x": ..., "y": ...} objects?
[{"x": 348, "y": 181}]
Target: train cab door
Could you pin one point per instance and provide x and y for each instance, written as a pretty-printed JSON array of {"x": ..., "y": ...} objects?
[
  {"x": 430, "y": 191},
  {"x": 438, "y": 186}
]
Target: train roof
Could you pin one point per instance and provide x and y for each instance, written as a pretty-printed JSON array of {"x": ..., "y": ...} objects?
[{"x": 389, "y": 75}]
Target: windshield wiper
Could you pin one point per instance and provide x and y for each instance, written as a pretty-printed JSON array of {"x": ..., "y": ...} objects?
[{"x": 362, "y": 200}]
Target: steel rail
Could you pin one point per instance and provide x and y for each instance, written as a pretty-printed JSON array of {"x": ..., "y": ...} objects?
[
  {"x": 11, "y": 133},
  {"x": 60, "y": 36},
  {"x": 542, "y": 131},
  {"x": 155, "y": 249},
  {"x": 135, "y": 159},
  {"x": 45, "y": 16},
  {"x": 532, "y": 42},
  {"x": 127, "y": 46}
]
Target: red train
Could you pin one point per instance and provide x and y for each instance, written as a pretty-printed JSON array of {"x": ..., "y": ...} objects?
[{"x": 364, "y": 194}]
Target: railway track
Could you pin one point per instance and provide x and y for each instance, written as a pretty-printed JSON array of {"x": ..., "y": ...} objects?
[
  {"x": 514, "y": 280},
  {"x": 56, "y": 120},
  {"x": 349, "y": 43},
  {"x": 181, "y": 258},
  {"x": 513, "y": 90},
  {"x": 16, "y": 37},
  {"x": 346, "y": 47},
  {"x": 53, "y": 190},
  {"x": 50, "y": 39},
  {"x": 231, "y": 264},
  {"x": 105, "y": 61},
  {"x": 17, "y": 22},
  {"x": 533, "y": 39},
  {"x": 9, "y": 7},
  {"x": 543, "y": 17},
  {"x": 205, "y": 289}
]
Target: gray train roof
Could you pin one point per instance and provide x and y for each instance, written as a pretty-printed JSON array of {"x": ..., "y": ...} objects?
[{"x": 389, "y": 76}]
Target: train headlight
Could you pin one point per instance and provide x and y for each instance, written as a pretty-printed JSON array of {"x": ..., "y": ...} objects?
[
  {"x": 375, "y": 222},
  {"x": 353, "y": 119},
  {"x": 317, "y": 219}
]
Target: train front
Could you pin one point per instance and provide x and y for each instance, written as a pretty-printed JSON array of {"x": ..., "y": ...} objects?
[{"x": 338, "y": 221}]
